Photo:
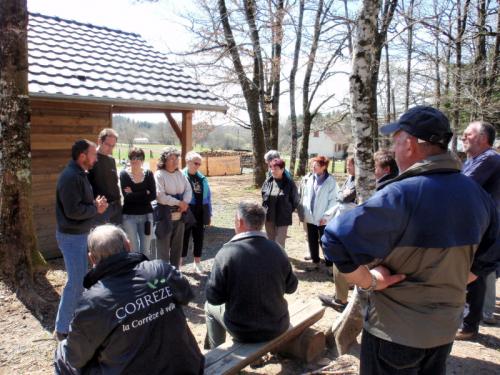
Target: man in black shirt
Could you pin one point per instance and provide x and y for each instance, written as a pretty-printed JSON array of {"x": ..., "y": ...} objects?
[
  {"x": 245, "y": 291},
  {"x": 104, "y": 178}
]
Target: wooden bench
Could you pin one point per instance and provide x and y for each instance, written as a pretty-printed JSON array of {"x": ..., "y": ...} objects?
[{"x": 231, "y": 357}]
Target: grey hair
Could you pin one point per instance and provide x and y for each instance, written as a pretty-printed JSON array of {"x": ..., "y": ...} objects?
[
  {"x": 488, "y": 130},
  {"x": 192, "y": 155},
  {"x": 270, "y": 155},
  {"x": 252, "y": 213},
  {"x": 106, "y": 240}
]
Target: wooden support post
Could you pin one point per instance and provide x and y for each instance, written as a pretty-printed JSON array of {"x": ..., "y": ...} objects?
[
  {"x": 307, "y": 346},
  {"x": 174, "y": 125},
  {"x": 347, "y": 326},
  {"x": 187, "y": 135}
]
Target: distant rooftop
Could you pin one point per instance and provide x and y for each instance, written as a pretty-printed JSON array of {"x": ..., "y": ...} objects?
[{"x": 77, "y": 61}]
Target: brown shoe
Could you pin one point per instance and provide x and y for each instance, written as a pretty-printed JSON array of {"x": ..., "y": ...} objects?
[
  {"x": 465, "y": 336},
  {"x": 332, "y": 302},
  {"x": 490, "y": 320}
]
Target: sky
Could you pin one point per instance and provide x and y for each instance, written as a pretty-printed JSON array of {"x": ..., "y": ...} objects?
[{"x": 158, "y": 22}]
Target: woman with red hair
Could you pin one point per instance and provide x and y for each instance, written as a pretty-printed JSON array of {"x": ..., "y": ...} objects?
[
  {"x": 319, "y": 194},
  {"x": 280, "y": 198}
]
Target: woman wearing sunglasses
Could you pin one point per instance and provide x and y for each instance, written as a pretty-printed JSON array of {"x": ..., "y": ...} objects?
[
  {"x": 200, "y": 206},
  {"x": 139, "y": 190}
]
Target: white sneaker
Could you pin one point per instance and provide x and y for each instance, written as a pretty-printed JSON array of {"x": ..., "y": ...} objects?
[{"x": 197, "y": 268}]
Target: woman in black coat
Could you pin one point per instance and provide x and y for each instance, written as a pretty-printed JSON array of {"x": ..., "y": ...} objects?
[{"x": 280, "y": 198}]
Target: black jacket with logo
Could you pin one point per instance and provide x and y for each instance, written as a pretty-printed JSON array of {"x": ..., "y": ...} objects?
[{"x": 130, "y": 321}]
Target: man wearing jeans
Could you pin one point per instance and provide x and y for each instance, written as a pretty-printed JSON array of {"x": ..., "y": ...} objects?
[
  {"x": 483, "y": 166},
  {"x": 430, "y": 232},
  {"x": 75, "y": 213},
  {"x": 245, "y": 291}
]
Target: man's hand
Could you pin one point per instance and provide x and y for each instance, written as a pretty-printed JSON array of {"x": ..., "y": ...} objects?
[
  {"x": 101, "y": 204},
  {"x": 384, "y": 277},
  {"x": 471, "y": 278},
  {"x": 183, "y": 206},
  {"x": 128, "y": 189},
  {"x": 322, "y": 222}
]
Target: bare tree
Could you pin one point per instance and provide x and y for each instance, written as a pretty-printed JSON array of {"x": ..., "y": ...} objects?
[
  {"x": 311, "y": 86},
  {"x": 461, "y": 23},
  {"x": 238, "y": 49},
  {"x": 250, "y": 88}
]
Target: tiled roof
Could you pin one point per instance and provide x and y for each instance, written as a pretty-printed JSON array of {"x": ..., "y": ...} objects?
[{"x": 77, "y": 61}]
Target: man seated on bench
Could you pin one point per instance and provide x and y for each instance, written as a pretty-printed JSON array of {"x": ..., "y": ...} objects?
[
  {"x": 245, "y": 291},
  {"x": 130, "y": 319}
]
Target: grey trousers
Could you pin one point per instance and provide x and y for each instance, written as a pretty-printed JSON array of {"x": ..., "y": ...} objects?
[
  {"x": 276, "y": 234},
  {"x": 490, "y": 295},
  {"x": 169, "y": 248},
  {"x": 216, "y": 329}
]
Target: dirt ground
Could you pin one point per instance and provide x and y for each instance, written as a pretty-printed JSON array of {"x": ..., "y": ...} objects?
[{"x": 26, "y": 345}]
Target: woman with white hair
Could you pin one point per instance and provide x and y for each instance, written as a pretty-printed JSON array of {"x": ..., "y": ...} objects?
[{"x": 200, "y": 205}]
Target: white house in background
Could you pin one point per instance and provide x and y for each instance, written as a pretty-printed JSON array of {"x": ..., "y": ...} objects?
[
  {"x": 330, "y": 143},
  {"x": 141, "y": 140}
]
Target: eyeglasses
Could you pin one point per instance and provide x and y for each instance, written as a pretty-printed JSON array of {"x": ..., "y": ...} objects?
[
  {"x": 109, "y": 145},
  {"x": 196, "y": 163},
  {"x": 134, "y": 158}
]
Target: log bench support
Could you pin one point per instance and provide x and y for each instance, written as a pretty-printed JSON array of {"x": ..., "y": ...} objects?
[{"x": 299, "y": 341}]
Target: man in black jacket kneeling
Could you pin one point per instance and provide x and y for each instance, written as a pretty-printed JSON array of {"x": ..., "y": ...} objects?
[{"x": 129, "y": 319}]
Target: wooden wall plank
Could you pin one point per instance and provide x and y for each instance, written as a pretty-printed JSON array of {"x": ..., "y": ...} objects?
[
  {"x": 47, "y": 121},
  {"x": 55, "y": 127}
]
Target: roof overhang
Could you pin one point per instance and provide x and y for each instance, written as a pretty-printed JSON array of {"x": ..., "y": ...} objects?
[{"x": 124, "y": 105}]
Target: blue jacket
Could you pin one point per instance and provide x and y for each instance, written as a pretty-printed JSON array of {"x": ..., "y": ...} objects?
[
  {"x": 324, "y": 202},
  {"x": 485, "y": 170},
  {"x": 432, "y": 224},
  {"x": 207, "y": 195}
]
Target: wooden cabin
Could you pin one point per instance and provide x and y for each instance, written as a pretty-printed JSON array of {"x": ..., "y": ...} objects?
[{"x": 79, "y": 76}]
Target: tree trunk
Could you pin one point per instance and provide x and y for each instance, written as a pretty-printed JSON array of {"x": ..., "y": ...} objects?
[
  {"x": 461, "y": 22},
  {"x": 480, "y": 71},
  {"x": 377, "y": 44},
  {"x": 293, "y": 73},
  {"x": 258, "y": 78},
  {"x": 277, "y": 36},
  {"x": 388, "y": 86},
  {"x": 251, "y": 92},
  {"x": 437, "y": 90},
  {"x": 409, "y": 22},
  {"x": 18, "y": 244},
  {"x": 361, "y": 95}
]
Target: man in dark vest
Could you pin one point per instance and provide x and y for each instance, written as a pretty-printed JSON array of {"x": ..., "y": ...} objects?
[{"x": 104, "y": 178}]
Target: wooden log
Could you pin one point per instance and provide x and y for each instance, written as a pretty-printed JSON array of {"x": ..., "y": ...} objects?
[
  {"x": 230, "y": 357},
  {"x": 347, "y": 326},
  {"x": 307, "y": 346}
]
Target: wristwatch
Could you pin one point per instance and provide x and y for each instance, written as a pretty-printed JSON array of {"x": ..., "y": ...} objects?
[{"x": 372, "y": 286}]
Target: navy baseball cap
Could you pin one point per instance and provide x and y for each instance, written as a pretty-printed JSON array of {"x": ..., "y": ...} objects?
[{"x": 423, "y": 122}]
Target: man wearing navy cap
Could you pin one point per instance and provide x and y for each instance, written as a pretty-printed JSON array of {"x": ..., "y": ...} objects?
[{"x": 430, "y": 232}]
